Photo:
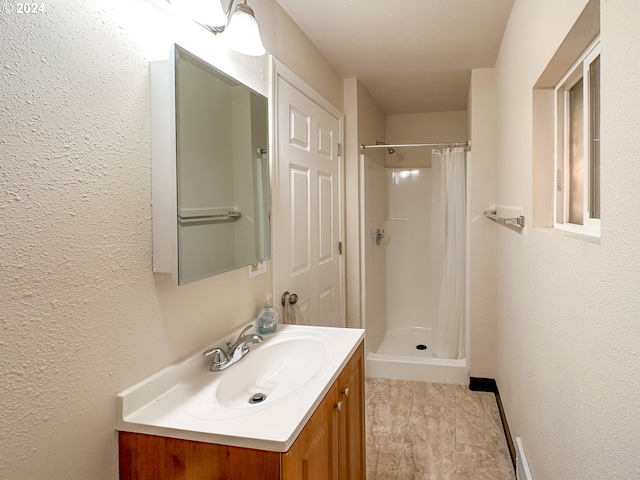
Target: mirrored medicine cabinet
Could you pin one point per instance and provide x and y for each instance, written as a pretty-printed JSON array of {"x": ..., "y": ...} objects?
[{"x": 210, "y": 170}]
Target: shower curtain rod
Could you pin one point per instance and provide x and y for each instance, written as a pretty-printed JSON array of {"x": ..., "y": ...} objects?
[{"x": 467, "y": 145}]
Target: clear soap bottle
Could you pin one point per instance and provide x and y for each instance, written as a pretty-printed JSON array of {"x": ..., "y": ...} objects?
[{"x": 268, "y": 317}]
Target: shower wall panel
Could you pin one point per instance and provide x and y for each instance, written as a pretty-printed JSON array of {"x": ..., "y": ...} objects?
[
  {"x": 409, "y": 285},
  {"x": 375, "y": 213}
]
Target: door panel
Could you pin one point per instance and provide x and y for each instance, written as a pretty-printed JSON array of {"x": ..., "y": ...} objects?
[
  {"x": 300, "y": 219},
  {"x": 307, "y": 217},
  {"x": 300, "y": 127},
  {"x": 325, "y": 141},
  {"x": 326, "y": 301},
  {"x": 326, "y": 239}
]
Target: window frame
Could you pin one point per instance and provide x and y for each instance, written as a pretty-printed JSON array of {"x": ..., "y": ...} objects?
[{"x": 580, "y": 70}]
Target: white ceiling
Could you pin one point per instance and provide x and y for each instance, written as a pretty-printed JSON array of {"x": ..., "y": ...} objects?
[{"x": 411, "y": 55}]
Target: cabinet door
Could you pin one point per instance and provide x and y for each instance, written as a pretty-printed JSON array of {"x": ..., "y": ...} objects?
[
  {"x": 314, "y": 455},
  {"x": 148, "y": 457},
  {"x": 351, "y": 419}
]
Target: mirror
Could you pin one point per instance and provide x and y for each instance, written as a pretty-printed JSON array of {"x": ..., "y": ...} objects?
[{"x": 221, "y": 218}]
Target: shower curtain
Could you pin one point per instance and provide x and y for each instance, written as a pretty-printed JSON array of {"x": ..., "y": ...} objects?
[{"x": 448, "y": 252}]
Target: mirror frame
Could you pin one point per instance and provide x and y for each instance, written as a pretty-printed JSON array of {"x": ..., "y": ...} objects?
[{"x": 164, "y": 166}]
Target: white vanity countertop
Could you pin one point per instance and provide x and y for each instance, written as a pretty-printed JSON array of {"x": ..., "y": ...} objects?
[{"x": 155, "y": 406}]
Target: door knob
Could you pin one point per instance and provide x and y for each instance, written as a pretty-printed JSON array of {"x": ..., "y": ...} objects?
[
  {"x": 293, "y": 298},
  {"x": 339, "y": 406},
  {"x": 345, "y": 392}
]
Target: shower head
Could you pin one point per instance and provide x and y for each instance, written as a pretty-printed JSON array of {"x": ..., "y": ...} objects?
[{"x": 390, "y": 150}]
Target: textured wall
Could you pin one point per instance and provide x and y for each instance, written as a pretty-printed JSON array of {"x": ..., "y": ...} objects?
[
  {"x": 483, "y": 124},
  {"x": 430, "y": 127},
  {"x": 567, "y": 310},
  {"x": 371, "y": 123},
  {"x": 81, "y": 315},
  {"x": 364, "y": 124}
]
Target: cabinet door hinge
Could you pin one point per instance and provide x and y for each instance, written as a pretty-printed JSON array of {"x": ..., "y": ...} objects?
[
  {"x": 339, "y": 149},
  {"x": 339, "y": 248}
]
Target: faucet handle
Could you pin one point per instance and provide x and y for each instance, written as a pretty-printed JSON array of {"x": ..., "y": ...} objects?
[
  {"x": 239, "y": 336},
  {"x": 219, "y": 357},
  {"x": 245, "y": 330},
  {"x": 211, "y": 351},
  {"x": 216, "y": 352}
]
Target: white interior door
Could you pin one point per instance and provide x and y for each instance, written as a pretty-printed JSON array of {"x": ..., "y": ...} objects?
[{"x": 307, "y": 238}]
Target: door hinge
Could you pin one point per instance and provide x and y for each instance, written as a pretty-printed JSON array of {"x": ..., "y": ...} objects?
[
  {"x": 339, "y": 248},
  {"x": 339, "y": 149}
]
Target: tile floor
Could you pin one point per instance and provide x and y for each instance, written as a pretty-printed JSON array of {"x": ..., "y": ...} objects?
[{"x": 434, "y": 431}]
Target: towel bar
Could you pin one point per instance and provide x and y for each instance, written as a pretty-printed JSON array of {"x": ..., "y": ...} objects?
[
  {"x": 231, "y": 215},
  {"x": 516, "y": 221}
]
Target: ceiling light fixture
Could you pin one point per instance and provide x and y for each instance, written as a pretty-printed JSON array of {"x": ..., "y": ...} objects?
[{"x": 241, "y": 28}]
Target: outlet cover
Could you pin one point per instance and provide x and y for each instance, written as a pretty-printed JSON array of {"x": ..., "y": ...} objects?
[{"x": 257, "y": 269}]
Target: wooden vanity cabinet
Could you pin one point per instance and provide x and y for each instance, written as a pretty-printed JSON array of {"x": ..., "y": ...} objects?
[
  {"x": 351, "y": 420},
  {"x": 330, "y": 447},
  {"x": 149, "y": 457},
  {"x": 332, "y": 444},
  {"x": 314, "y": 454}
]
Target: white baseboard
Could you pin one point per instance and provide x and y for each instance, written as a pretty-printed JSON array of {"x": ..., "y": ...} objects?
[{"x": 522, "y": 466}]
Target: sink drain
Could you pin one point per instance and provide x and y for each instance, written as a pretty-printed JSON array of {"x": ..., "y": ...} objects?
[
  {"x": 421, "y": 347},
  {"x": 257, "y": 398}
]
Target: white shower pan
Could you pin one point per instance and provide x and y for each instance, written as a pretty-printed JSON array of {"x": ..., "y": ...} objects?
[{"x": 399, "y": 357}]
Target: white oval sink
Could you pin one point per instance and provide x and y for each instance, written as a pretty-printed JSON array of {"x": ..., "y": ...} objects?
[
  {"x": 279, "y": 367},
  {"x": 294, "y": 368}
]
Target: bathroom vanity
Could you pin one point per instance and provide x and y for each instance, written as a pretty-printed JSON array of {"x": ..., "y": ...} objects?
[{"x": 186, "y": 422}]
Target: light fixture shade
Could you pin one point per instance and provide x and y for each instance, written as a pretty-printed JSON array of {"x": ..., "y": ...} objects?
[{"x": 242, "y": 33}]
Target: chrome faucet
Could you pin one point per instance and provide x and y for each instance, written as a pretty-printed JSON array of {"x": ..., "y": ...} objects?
[{"x": 222, "y": 360}]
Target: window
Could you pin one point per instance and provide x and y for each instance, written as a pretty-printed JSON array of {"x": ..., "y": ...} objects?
[{"x": 577, "y": 146}]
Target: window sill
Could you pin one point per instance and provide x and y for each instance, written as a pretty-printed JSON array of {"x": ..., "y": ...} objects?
[{"x": 566, "y": 234}]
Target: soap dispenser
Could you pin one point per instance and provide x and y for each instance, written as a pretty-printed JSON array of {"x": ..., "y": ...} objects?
[{"x": 268, "y": 317}]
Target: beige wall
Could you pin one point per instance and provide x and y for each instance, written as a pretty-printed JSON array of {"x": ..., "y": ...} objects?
[
  {"x": 82, "y": 316},
  {"x": 371, "y": 124},
  {"x": 364, "y": 124},
  {"x": 371, "y": 127},
  {"x": 567, "y": 310},
  {"x": 431, "y": 127},
  {"x": 483, "y": 124},
  {"x": 351, "y": 195}
]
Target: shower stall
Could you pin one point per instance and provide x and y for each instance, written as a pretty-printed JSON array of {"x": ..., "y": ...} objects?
[{"x": 415, "y": 258}]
